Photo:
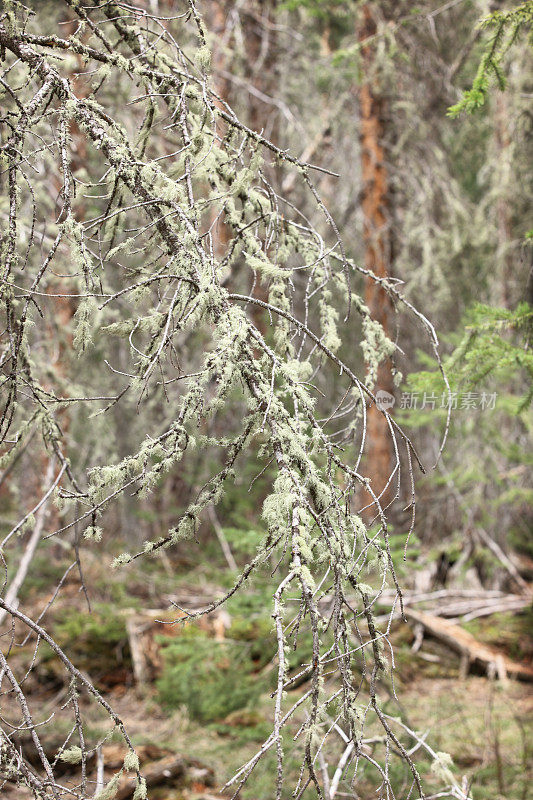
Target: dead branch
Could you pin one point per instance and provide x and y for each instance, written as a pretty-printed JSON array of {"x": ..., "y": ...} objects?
[
  {"x": 25, "y": 561},
  {"x": 468, "y": 647}
]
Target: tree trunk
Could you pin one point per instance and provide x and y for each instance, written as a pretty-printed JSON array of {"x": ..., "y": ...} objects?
[
  {"x": 502, "y": 142},
  {"x": 217, "y": 18},
  {"x": 260, "y": 42},
  {"x": 260, "y": 72},
  {"x": 377, "y": 236}
]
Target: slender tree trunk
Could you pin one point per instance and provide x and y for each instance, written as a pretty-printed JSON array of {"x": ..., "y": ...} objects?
[
  {"x": 260, "y": 43},
  {"x": 502, "y": 142},
  {"x": 11, "y": 597},
  {"x": 260, "y": 71},
  {"x": 65, "y": 307},
  {"x": 217, "y": 12},
  {"x": 377, "y": 235}
]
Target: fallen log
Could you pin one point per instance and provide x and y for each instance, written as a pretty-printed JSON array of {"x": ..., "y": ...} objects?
[
  {"x": 111, "y": 755},
  {"x": 168, "y": 769},
  {"x": 165, "y": 771},
  {"x": 468, "y": 647}
]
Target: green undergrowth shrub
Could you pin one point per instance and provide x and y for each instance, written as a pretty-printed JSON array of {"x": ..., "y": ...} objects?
[
  {"x": 244, "y": 730},
  {"x": 243, "y": 541},
  {"x": 211, "y": 679},
  {"x": 98, "y": 641},
  {"x": 251, "y": 622}
]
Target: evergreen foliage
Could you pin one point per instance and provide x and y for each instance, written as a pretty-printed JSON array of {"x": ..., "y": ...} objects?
[{"x": 504, "y": 28}]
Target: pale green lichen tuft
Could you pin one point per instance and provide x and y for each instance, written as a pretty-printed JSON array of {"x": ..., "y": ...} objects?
[
  {"x": 71, "y": 755},
  {"x": 140, "y": 792},
  {"x": 109, "y": 791},
  {"x": 131, "y": 761}
]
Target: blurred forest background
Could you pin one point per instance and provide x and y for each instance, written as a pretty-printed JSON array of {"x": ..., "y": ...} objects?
[{"x": 434, "y": 194}]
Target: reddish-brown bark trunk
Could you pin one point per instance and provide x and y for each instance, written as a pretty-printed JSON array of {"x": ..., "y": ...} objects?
[{"x": 377, "y": 243}]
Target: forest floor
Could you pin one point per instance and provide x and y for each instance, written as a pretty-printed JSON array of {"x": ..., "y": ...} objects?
[{"x": 189, "y": 703}]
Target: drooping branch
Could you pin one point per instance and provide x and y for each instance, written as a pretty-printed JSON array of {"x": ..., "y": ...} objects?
[{"x": 145, "y": 268}]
